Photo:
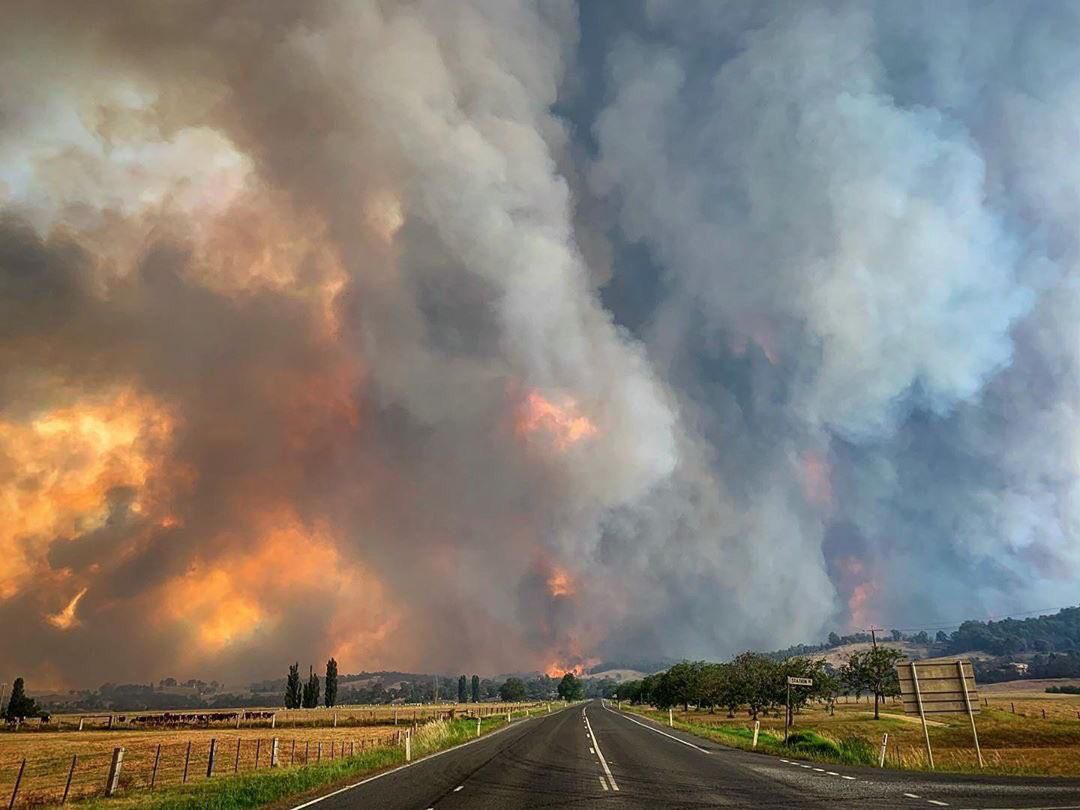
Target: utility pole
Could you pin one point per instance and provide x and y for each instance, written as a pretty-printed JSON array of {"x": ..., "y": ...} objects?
[{"x": 3, "y": 691}]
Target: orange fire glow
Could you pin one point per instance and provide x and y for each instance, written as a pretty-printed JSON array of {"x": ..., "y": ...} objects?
[
  {"x": 65, "y": 619},
  {"x": 862, "y": 589},
  {"x": 560, "y": 583},
  {"x": 562, "y": 423},
  {"x": 579, "y": 667},
  {"x": 232, "y": 599},
  {"x": 58, "y": 467},
  {"x": 815, "y": 473}
]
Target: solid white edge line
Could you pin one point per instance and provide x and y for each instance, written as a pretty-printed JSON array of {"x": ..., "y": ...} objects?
[
  {"x": 487, "y": 736},
  {"x": 603, "y": 784},
  {"x": 599, "y": 754},
  {"x": 664, "y": 733}
]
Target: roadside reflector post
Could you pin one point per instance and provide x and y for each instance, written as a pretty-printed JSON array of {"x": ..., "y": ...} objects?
[
  {"x": 318, "y": 751},
  {"x": 210, "y": 759},
  {"x": 80, "y": 723},
  {"x": 335, "y": 719},
  {"x": 113, "y": 780},
  {"x": 274, "y": 753},
  {"x": 884, "y": 744},
  {"x": 671, "y": 718},
  {"x": 477, "y": 726},
  {"x": 273, "y": 720},
  {"x": 507, "y": 715},
  {"x": 408, "y": 746},
  {"x": 757, "y": 728}
]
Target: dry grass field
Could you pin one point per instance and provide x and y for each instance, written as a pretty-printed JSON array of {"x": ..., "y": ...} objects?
[
  {"x": 1020, "y": 743},
  {"x": 303, "y": 737}
]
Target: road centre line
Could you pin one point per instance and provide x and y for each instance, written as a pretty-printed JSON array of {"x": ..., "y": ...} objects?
[{"x": 596, "y": 745}]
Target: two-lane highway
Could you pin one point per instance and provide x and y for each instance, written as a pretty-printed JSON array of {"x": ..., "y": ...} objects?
[{"x": 594, "y": 756}]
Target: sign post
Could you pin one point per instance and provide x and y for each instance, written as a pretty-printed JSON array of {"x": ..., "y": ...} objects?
[
  {"x": 789, "y": 717},
  {"x": 939, "y": 686}
]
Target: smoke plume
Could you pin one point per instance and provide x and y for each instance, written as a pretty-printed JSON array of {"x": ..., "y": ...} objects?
[{"x": 506, "y": 335}]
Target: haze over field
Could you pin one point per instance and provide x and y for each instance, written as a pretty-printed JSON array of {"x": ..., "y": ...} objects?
[{"x": 479, "y": 336}]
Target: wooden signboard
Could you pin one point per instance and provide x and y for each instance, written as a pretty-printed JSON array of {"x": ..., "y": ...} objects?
[{"x": 939, "y": 686}]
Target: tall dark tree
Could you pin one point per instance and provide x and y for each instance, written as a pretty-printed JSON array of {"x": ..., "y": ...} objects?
[
  {"x": 293, "y": 689},
  {"x": 462, "y": 690},
  {"x": 311, "y": 690},
  {"x": 331, "y": 683},
  {"x": 19, "y": 705},
  {"x": 475, "y": 688}
]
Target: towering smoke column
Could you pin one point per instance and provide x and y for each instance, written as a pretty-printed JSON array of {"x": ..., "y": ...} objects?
[{"x": 495, "y": 335}]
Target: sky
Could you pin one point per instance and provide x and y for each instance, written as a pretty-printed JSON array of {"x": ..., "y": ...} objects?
[{"x": 494, "y": 336}]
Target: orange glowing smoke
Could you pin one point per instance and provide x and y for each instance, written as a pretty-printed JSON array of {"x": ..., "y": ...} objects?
[
  {"x": 560, "y": 583},
  {"x": 862, "y": 589},
  {"x": 65, "y": 619},
  {"x": 562, "y": 423},
  {"x": 815, "y": 474},
  {"x": 246, "y": 593},
  {"x": 56, "y": 470}
]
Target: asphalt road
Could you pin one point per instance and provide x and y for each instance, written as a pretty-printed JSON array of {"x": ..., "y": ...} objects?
[{"x": 592, "y": 756}]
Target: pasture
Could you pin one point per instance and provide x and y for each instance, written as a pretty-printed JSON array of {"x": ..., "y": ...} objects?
[
  {"x": 59, "y": 759},
  {"x": 1020, "y": 732}
]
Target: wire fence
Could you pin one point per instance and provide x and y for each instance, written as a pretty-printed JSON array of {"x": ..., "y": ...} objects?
[{"x": 33, "y": 781}]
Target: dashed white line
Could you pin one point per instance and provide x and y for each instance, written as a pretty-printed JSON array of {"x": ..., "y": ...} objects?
[
  {"x": 596, "y": 745},
  {"x": 822, "y": 770},
  {"x": 591, "y": 751},
  {"x": 603, "y": 784},
  {"x": 459, "y": 787},
  {"x": 852, "y": 778},
  {"x": 939, "y": 804},
  {"x": 834, "y": 773},
  {"x": 912, "y": 796}
]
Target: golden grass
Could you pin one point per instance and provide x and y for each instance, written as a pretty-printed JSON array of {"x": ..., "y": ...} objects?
[
  {"x": 49, "y": 753},
  {"x": 1021, "y": 743}
]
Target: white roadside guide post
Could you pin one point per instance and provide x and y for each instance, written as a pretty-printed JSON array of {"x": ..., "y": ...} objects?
[
  {"x": 789, "y": 717},
  {"x": 477, "y": 725},
  {"x": 670, "y": 718},
  {"x": 884, "y": 744},
  {"x": 757, "y": 728},
  {"x": 939, "y": 686},
  {"x": 408, "y": 745}
]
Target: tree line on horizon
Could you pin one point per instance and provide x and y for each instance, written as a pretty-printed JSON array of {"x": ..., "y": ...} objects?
[{"x": 759, "y": 683}]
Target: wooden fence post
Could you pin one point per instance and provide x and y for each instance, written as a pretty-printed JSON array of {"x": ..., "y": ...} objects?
[
  {"x": 307, "y": 751},
  {"x": 153, "y": 772},
  {"x": 71, "y": 773},
  {"x": 258, "y": 750},
  {"x": 113, "y": 780},
  {"x": 210, "y": 759},
  {"x": 18, "y": 781},
  {"x": 187, "y": 762},
  {"x": 318, "y": 751},
  {"x": 292, "y": 754},
  {"x": 236, "y": 762}
]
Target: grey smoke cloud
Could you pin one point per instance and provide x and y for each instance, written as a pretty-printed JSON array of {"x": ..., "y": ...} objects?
[{"x": 526, "y": 334}]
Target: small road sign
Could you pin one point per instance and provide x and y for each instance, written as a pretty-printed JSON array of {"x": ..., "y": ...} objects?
[{"x": 800, "y": 681}]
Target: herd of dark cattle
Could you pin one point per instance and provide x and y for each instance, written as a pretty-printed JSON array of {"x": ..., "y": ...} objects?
[{"x": 193, "y": 718}]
